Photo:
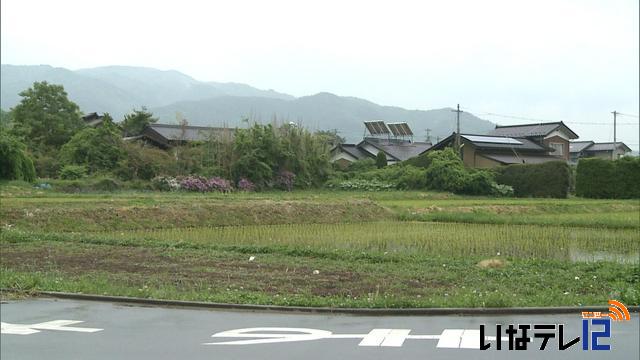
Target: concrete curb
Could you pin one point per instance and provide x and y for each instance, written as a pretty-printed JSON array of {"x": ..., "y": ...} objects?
[{"x": 322, "y": 310}]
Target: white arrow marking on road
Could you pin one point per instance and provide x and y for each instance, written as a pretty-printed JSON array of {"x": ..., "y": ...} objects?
[
  {"x": 57, "y": 325},
  {"x": 449, "y": 338}
]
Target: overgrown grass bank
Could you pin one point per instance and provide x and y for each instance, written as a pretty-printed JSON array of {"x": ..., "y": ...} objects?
[{"x": 103, "y": 216}]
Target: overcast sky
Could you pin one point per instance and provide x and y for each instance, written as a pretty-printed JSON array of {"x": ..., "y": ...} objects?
[{"x": 558, "y": 60}]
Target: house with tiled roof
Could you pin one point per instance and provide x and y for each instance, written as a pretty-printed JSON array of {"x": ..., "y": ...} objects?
[
  {"x": 394, "y": 140},
  {"x": 168, "y": 135},
  {"x": 513, "y": 144},
  {"x": 604, "y": 150},
  {"x": 554, "y": 135}
]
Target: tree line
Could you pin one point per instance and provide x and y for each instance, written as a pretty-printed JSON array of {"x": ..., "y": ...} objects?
[{"x": 45, "y": 136}]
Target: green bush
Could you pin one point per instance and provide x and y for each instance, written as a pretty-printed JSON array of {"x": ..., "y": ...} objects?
[
  {"x": 446, "y": 171},
  {"x": 106, "y": 184},
  {"x": 627, "y": 184},
  {"x": 73, "y": 172},
  {"x": 101, "y": 184},
  {"x": 399, "y": 176},
  {"x": 479, "y": 183},
  {"x": 362, "y": 165},
  {"x": 144, "y": 162},
  {"x": 420, "y": 161},
  {"x": 600, "y": 178},
  {"x": 412, "y": 177},
  {"x": 572, "y": 178},
  {"x": 381, "y": 160},
  {"x": 15, "y": 163},
  {"x": 551, "y": 179},
  {"x": 501, "y": 190},
  {"x": 47, "y": 165},
  {"x": 361, "y": 185}
]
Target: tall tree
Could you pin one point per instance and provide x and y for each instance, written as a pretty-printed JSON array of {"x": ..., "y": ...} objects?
[
  {"x": 97, "y": 148},
  {"x": 45, "y": 118},
  {"x": 135, "y": 122}
]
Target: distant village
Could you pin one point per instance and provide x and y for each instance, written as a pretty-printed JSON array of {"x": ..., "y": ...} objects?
[{"x": 505, "y": 145}]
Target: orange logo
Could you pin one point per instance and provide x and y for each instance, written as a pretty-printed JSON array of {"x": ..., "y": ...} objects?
[{"x": 617, "y": 312}]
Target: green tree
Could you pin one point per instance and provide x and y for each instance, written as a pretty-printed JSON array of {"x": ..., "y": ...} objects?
[
  {"x": 135, "y": 122},
  {"x": 5, "y": 119},
  {"x": 15, "y": 163},
  {"x": 381, "y": 160},
  {"x": 218, "y": 155},
  {"x": 266, "y": 150},
  {"x": 97, "y": 148},
  {"x": 331, "y": 137},
  {"x": 258, "y": 152},
  {"x": 144, "y": 162},
  {"x": 446, "y": 171},
  {"x": 45, "y": 117}
]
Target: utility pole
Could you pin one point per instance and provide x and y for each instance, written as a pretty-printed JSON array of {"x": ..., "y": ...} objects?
[
  {"x": 457, "y": 142},
  {"x": 615, "y": 114}
]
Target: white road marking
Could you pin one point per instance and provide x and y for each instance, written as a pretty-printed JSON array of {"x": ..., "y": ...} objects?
[
  {"x": 294, "y": 334},
  {"x": 449, "y": 338},
  {"x": 56, "y": 325}
]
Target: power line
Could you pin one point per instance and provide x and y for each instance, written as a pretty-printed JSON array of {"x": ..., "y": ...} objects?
[
  {"x": 484, "y": 113},
  {"x": 510, "y": 116},
  {"x": 597, "y": 123}
]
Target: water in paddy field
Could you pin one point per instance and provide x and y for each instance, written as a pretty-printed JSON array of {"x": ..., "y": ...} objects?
[{"x": 582, "y": 255}]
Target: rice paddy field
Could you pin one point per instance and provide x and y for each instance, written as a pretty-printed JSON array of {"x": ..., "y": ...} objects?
[{"x": 323, "y": 248}]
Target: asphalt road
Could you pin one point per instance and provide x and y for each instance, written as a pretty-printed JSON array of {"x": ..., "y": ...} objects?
[{"x": 35, "y": 329}]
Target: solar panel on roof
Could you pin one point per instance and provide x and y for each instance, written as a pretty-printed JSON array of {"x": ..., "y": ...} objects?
[
  {"x": 492, "y": 139},
  {"x": 376, "y": 127},
  {"x": 394, "y": 129},
  {"x": 400, "y": 129},
  {"x": 405, "y": 128}
]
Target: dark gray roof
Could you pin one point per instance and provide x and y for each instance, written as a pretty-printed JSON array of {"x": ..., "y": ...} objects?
[
  {"x": 186, "y": 133},
  {"x": 542, "y": 129},
  {"x": 92, "y": 116},
  {"x": 577, "y": 146},
  {"x": 93, "y": 119},
  {"x": 353, "y": 150},
  {"x": 400, "y": 150},
  {"x": 520, "y": 159},
  {"x": 515, "y": 143},
  {"x": 608, "y": 146}
]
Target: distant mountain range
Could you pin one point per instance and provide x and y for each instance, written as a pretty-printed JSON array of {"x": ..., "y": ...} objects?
[{"x": 171, "y": 94}]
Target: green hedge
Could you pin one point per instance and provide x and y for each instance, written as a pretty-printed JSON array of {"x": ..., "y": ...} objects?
[
  {"x": 600, "y": 178},
  {"x": 551, "y": 179}
]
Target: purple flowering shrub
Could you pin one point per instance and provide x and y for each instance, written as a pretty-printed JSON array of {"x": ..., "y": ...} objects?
[
  {"x": 285, "y": 180},
  {"x": 193, "y": 183},
  {"x": 219, "y": 184},
  {"x": 201, "y": 184},
  {"x": 246, "y": 185}
]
